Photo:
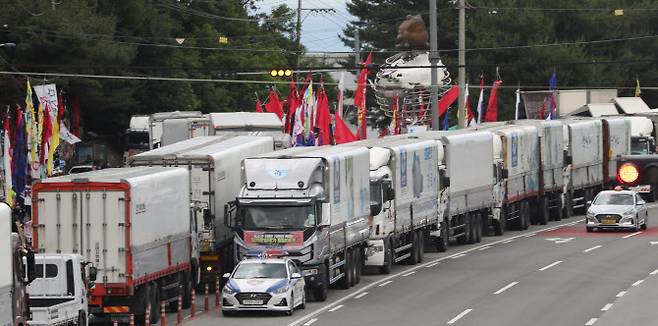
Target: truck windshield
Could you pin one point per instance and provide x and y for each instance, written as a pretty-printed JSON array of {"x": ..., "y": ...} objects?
[
  {"x": 277, "y": 217},
  {"x": 375, "y": 198},
  {"x": 260, "y": 270},
  {"x": 639, "y": 146},
  {"x": 613, "y": 199}
]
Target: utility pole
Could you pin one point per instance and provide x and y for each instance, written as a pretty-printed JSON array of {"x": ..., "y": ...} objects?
[
  {"x": 357, "y": 48},
  {"x": 462, "y": 65},
  {"x": 434, "y": 59},
  {"x": 298, "y": 32}
]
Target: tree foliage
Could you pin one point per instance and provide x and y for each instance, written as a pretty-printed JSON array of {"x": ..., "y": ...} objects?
[
  {"x": 138, "y": 38},
  {"x": 500, "y": 23}
]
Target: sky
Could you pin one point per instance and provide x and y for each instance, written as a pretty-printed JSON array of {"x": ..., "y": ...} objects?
[{"x": 319, "y": 31}]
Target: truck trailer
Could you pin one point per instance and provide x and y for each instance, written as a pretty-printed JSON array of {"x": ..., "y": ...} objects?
[
  {"x": 403, "y": 199},
  {"x": 312, "y": 203},
  {"x": 213, "y": 164},
  {"x": 133, "y": 224}
]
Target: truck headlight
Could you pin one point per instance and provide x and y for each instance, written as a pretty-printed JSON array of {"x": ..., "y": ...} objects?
[{"x": 282, "y": 289}]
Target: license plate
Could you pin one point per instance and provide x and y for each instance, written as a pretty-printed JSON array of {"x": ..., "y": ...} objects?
[
  {"x": 254, "y": 302},
  {"x": 609, "y": 221}
]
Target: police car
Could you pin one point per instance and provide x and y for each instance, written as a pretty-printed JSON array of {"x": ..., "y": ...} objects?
[{"x": 264, "y": 281}]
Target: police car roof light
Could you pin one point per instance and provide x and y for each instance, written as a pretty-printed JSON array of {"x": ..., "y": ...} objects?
[{"x": 270, "y": 253}]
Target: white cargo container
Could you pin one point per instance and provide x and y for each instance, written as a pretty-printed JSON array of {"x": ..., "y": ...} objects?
[
  {"x": 616, "y": 141},
  {"x": 403, "y": 199},
  {"x": 466, "y": 181},
  {"x": 133, "y": 224},
  {"x": 250, "y": 124},
  {"x": 156, "y": 124},
  {"x": 314, "y": 204},
  {"x": 583, "y": 162},
  {"x": 213, "y": 164},
  {"x": 175, "y": 130}
]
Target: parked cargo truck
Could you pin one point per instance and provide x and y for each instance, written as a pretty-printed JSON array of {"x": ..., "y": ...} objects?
[
  {"x": 403, "y": 199},
  {"x": 133, "y": 224},
  {"x": 313, "y": 203},
  {"x": 17, "y": 273},
  {"x": 214, "y": 167}
]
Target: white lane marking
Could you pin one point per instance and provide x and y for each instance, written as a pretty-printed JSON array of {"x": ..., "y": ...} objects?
[
  {"x": 591, "y": 321},
  {"x": 631, "y": 235},
  {"x": 638, "y": 282},
  {"x": 593, "y": 248},
  {"x": 506, "y": 287},
  {"x": 653, "y": 243},
  {"x": 336, "y": 308},
  {"x": 530, "y": 235},
  {"x": 606, "y": 307},
  {"x": 565, "y": 240},
  {"x": 431, "y": 265},
  {"x": 410, "y": 273},
  {"x": 458, "y": 256},
  {"x": 361, "y": 295},
  {"x": 484, "y": 248},
  {"x": 508, "y": 241},
  {"x": 308, "y": 323},
  {"x": 549, "y": 266},
  {"x": 620, "y": 294},
  {"x": 654, "y": 272},
  {"x": 385, "y": 283},
  {"x": 458, "y": 317},
  {"x": 386, "y": 279}
]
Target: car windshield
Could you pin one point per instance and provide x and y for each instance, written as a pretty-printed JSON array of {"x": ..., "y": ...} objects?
[
  {"x": 255, "y": 270},
  {"x": 613, "y": 199},
  {"x": 277, "y": 217}
]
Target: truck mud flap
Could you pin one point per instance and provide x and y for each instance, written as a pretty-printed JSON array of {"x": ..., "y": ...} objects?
[{"x": 375, "y": 254}]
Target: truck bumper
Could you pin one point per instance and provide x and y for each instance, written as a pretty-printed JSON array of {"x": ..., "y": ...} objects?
[{"x": 375, "y": 253}]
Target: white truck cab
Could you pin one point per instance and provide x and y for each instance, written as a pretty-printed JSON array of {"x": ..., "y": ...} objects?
[{"x": 58, "y": 295}]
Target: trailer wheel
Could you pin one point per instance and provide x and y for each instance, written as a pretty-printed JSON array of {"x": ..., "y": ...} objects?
[
  {"x": 346, "y": 280},
  {"x": 484, "y": 219},
  {"x": 421, "y": 245},
  {"x": 544, "y": 210},
  {"x": 442, "y": 242},
  {"x": 567, "y": 210},
  {"x": 388, "y": 258},
  {"x": 187, "y": 289},
  {"x": 82, "y": 318},
  {"x": 479, "y": 226},
  {"x": 359, "y": 264},
  {"x": 320, "y": 292},
  {"x": 472, "y": 227},
  {"x": 353, "y": 259},
  {"x": 526, "y": 221},
  {"x": 462, "y": 239},
  {"x": 413, "y": 258},
  {"x": 556, "y": 212},
  {"x": 155, "y": 303}
]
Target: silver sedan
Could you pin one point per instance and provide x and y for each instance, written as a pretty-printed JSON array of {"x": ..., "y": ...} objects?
[{"x": 617, "y": 209}]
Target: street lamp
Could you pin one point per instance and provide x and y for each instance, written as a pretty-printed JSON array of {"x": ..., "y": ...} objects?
[{"x": 7, "y": 45}]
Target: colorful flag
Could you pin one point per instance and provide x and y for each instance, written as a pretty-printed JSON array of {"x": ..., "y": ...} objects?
[
  {"x": 421, "y": 104},
  {"x": 518, "y": 104},
  {"x": 31, "y": 125},
  {"x": 308, "y": 109},
  {"x": 273, "y": 104},
  {"x": 66, "y": 135},
  {"x": 6, "y": 161},
  {"x": 54, "y": 139},
  {"x": 446, "y": 120},
  {"x": 481, "y": 100},
  {"x": 46, "y": 135},
  {"x": 492, "y": 107},
  {"x": 638, "y": 91},
  {"x": 293, "y": 103},
  {"x": 343, "y": 134},
  {"x": 360, "y": 97},
  {"x": 448, "y": 99},
  {"x": 467, "y": 107},
  {"x": 19, "y": 155},
  {"x": 552, "y": 106},
  {"x": 259, "y": 106},
  {"x": 324, "y": 118}
]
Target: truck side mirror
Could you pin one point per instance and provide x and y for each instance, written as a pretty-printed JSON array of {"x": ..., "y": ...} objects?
[
  {"x": 445, "y": 181},
  {"x": 390, "y": 194},
  {"x": 326, "y": 214},
  {"x": 229, "y": 208},
  {"x": 504, "y": 174},
  {"x": 93, "y": 273},
  {"x": 29, "y": 267},
  {"x": 567, "y": 159}
]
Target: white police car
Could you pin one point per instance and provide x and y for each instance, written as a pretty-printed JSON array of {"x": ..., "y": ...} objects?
[{"x": 264, "y": 283}]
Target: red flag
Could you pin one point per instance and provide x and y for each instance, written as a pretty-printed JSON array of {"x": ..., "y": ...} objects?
[
  {"x": 360, "y": 96},
  {"x": 75, "y": 116},
  {"x": 421, "y": 112},
  {"x": 259, "y": 107},
  {"x": 448, "y": 99},
  {"x": 47, "y": 132},
  {"x": 273, "y": 104},
  {"x": 342, "y": 134},
  {"x": 492, "y": 107},
  {"x": 324, "y": 118},
  {"x": 293, "y": 102}
]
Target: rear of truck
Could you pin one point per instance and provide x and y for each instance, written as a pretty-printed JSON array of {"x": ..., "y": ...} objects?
[
  {"x": 176, "y": 130},
  {"x": 133, "y": 224},
  {"x": 313, "y": 204},
  {"x": 583, "y": 163}
]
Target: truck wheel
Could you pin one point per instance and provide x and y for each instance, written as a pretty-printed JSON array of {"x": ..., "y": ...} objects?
[
  {"x": 480, "y": 226},
  {"x": 155, "y": 303},
  {"x": 353, "y": 259},
  {"x": 421, "y": 245},
  {"x": 484, "y": 218},
  {"x": 472, "y": 226},
  {"x": 358, "y": 265},
  {"x": 442, "y": 242},
  {"x": 544, "y": 210},
  {"x": 388, "y": 258},
  {"x": 82, "y": 318},
  {"x": 321, "y": 291},
  {"x": 499, "y": 225},
  {"x": 556, "y": 212},
  {"x": 567, "y": 211},
  {"x": 187, "y": 290},
  {"x": 413, "y": 257},
  {"x": 462, "y": 239},
  {"x": 526, "y": 223},
  {"x": 346, "y": 280}
]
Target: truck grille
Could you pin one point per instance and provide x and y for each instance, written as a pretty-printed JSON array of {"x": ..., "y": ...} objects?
[
  {"x": 614, "y": 217},
  {"x": 253, "y": 296}
]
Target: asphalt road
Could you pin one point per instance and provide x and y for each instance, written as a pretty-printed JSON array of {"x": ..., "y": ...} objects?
[{"x": 548, "y": 275}]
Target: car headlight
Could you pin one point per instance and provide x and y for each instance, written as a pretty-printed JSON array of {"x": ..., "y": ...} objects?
[
  {"x": 228, "y": 291},
  {"x": 282, "y": 289},
  {"x": 590, "y": 214},
  {"x": 629, "y": 213}
]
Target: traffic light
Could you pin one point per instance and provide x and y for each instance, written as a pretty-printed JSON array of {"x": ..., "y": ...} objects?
[{"x": 281, "y": 72}]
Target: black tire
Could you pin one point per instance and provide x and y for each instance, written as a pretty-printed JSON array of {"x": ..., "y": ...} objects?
[
  {"x": 567, "y": 211},
  {"x": 359, "y": 265},
  {"x": 462, "y": 239},
  {"x": 346, "y": 280},
  {"x": 413, "y": 251},
  {"x": 472, "y": 222},
  {"x": 441, "y": 243},
  {"x": 421, "y": 245},
  {"x": 484, "y": 220},
  {"x": 528, "y": 214},
  {"x": 290, "y": 311},
  {"x": 321, "y": 292},
  {"x": 557, "y": 211},
  {"x": 388, "y": 258},
  {"x": 590, "y": 229},
  {"x": 479, "y": 227},
  {"x": 499, "y": 225},
  {"x": 544, "y": 211},
  {"x": 227, "y": 313},
  {"x": 353, "y": 258},
  {"x": 302, "y": 306},
  {"x": 155, "y": 304},
  {"x": 520, "y": 219},
  {"x": 82, "y": 318},
  {"x": 186, "y": 280}
]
